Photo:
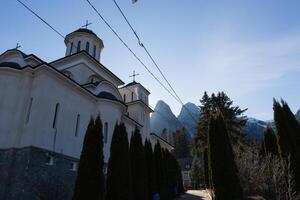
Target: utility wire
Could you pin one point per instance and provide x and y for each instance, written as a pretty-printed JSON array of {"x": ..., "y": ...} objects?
[
  {"x": 152, "y": 59},
  {"x": 61, "y": 35},
  {"x": 132, "y": 52}
]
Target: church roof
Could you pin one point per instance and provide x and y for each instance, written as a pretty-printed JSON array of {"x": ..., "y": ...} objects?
[
  {"x": 85, "y": 30},
  {"x": 135, "y": 83},
  {"x": 23, "y": 54}
]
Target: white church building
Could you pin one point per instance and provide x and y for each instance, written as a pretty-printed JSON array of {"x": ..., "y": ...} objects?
[{"x": 45, "y": 109}]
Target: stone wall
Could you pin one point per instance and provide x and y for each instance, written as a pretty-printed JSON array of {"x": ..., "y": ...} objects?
[{"x": 28, "y": 174}]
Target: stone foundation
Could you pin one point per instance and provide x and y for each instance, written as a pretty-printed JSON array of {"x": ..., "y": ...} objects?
[{"x": 32, "y": 173}]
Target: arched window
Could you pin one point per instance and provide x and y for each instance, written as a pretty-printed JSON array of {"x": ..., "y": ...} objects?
[
  {"x": 93, "y": 79},
  {"x": 105, "y": 132},
  {"x": 94, "y": 53},
  {"x": 124, "y": 97},
  {"x": 71, "y": 48},
  {"x": 78, "y": 46},
  {"x": 131, "y": 96},
  {"x": 87, "y": 46},
  {"x": 77, "y": 125}
]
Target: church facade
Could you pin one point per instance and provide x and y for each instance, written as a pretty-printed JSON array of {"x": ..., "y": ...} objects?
[{"x": 45, "y": 109}]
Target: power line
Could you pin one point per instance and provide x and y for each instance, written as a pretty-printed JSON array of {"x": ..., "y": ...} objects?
[
  {"x": 151, "y": 57},
  {"x": 132, "y": 52},
  {"x": 61, "y": 35}
]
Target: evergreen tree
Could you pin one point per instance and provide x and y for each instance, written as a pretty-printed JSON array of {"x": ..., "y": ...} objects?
[
  {"x": 181, "y": 144},
  {"x": 159, "y": 172},
  {"x": 288, "y": 137},
  {"x": 270, "y": 142},
  {"x": 90, "y": 178},
  {"x": 223, "y": 174},
  {"x": 151, "y": 181},
  {"x": 196, "y": 173},
  {"x": 233, "y": 117},
  {"x": 118, "y": 185},
  {"x": 138, "y": 167}
]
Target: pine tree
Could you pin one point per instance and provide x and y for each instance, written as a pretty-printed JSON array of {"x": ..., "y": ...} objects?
[
  {"x": 151, "y": 181},
  {"x": 138, "y": 167},
  {"x": 181, "y": 144},
  {"x": 270, "y": 142},
  {"x": 118, "y": 185},
  {"x": 196, "y": 173},
  {"x": 90, "y": 179},
  {"x": 223, "y": 174},
  {"x": 288, "y": 137},
  {"x": 159, "y": 173}
]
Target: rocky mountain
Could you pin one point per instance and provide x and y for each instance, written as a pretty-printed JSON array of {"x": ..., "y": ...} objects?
[
  {"x": 298, "y": 115},
  {"x": 189, "y": 116},
  {"x": 254, "y": 128},
  {"x": 163, "y": 117}
]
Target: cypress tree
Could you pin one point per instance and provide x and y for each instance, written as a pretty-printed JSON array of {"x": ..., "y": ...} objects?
[
  {"x": 222, "y": 169},
  {"x": 138, "y": 167},
  {"x": 157, "y": 157},
  {"x": 90, "y": 179},
  {"x": 118, "y": 185},
  {"x": 151, "y": 181},
  {"x": 270, "y": 142},
  {"x": 288, "y": 138}
]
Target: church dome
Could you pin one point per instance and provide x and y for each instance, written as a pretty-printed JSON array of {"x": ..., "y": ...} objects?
[
  {"x": 107, "y": 95},
  {"x": 84, "y": 39}
]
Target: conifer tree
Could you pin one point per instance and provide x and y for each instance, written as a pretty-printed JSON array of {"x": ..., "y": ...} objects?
[
  {"x": 138, "y": 167},
  {"x": 118, "y": 185},
  {"x": 222, "y": 168},
  {"x": 90, "y": 178},
  {"x": 288, "y": 137},
  {"x": 270, "y": 142},
  {"x": 159, "y": 173},
  {"x": 151, "y": 181}
]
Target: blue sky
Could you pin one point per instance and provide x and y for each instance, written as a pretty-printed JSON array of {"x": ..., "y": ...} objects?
[{"x": 248, "y": 48}]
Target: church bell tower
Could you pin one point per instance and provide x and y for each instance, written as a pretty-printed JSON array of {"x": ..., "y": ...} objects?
[{"x": 84, "y": 39}]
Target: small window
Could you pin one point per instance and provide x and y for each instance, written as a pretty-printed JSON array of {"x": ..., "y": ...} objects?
[
  {"x": 71, "y": 48},
  {"x": 94, "y": 53},
  {"x": 124, "y": 97},
  {"x": 77, "y": 125},
  {"x": 105, "y": 132},
  {"x": 78, "y": 46},
  {"x": 73, "y": 166},
  {"x": 87, "y": 47},
  {"x": 55, "y": 115},
  {"x": 29, "y": 111},
  {"x": 131, "y": 96},
  {"x": 50, "y": 160}
]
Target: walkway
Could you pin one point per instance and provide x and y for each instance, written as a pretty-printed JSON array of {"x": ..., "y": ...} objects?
[{"x": 195, "y": 195}]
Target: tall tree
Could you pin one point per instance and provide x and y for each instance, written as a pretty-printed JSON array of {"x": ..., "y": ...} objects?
[
  {"x": 196, "y": 173},
  {"x": 118, "y": 185},
  {"x": 222, "y": 168},
  {"x": 181, "y": 144},
  {"x": 151, "y": 181},
  {"x": 270, "y": 142},
  {"x": 233, "y": 116},
  {"x": 138, "y": 167},
  {"x": 159, "y": 170},
  {"x": 288, "y": 130},
  {"x": 90, "y": 178}
]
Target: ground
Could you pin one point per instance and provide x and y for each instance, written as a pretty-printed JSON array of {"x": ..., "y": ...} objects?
[{"x": 195, "y": 195}]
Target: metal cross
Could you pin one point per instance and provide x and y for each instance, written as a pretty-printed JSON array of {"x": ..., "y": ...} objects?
[
  {"x": 134, "y": 75},
  {"x": 86, "y": 24},
  {"x": 18, "y": 46}
]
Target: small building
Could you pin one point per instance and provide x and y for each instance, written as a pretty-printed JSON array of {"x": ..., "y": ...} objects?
[{"x": 186, "y": 167}]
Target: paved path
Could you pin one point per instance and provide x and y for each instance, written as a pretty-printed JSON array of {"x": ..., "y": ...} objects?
[{"x": 195, "y": 195}]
